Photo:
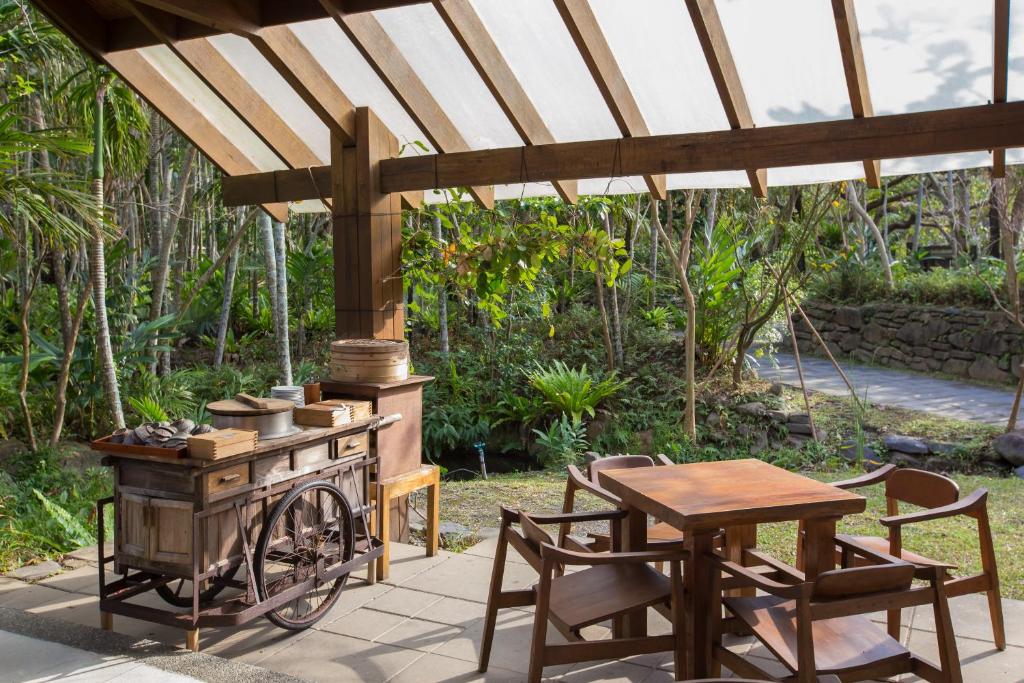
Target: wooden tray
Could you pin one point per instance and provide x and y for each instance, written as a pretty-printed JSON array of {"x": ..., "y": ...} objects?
[{"x": 105, "y": 445}]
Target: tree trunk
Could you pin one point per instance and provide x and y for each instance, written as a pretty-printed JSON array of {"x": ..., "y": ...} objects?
[
  {"x": 61, "y": 390},
  {"x": 225, "y": 307},
  {"x": 281, "y": 266},
  {"x": 616, "y": 318},
  {"x": 98, "y": 268},
  {"x": 605, "y": 333},
  {"x": 442, "y": 295},
  {"x": 654, "y": 251},
  {"x": 26, "y": 360},
  {"x": 915, "y": 242},
  {"x": 883, "y": 250}
]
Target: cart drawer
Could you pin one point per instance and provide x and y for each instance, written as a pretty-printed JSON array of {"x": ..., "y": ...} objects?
[
  {"x": 355, "y": 443},
  {"x": 311, "y": 456},
  {"x": 227, "y": 478}
]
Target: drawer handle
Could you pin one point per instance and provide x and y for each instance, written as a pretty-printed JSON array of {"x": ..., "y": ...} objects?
[
  {"x": 354, "y": 443},
  {"x": 229, "y": 477}
]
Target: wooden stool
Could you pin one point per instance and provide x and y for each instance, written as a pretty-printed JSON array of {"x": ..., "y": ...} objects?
[{"x": 427, "y": 476}]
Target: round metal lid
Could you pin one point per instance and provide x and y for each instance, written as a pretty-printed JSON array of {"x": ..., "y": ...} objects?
[{"x": 237, "y": 408}]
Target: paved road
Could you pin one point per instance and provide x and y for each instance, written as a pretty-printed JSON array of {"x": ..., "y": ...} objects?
[{"x": 885, "y": 386}]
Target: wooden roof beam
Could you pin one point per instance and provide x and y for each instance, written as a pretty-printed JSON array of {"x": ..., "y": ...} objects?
[
  {"x": 469, "y": 31},
  {"x": 384, "y": 56},
  {"x": 279, "y": 46},
  {"x": 712, "y": 38},
  {"x": 593, "y": 46},
  {"x": 948, "y": 131},
  {"x": 856, "y": 76},
  {"x": 210, "y": 66},
  {"x": 1000, "y": 70}
]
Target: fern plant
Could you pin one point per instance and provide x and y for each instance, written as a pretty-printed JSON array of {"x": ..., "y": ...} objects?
[
  {"x": 148, "y": 409},
  {"x": 74, "y": 531},
  {"x": 573, "y": 391},
  {"x": 562, "y": 443}
]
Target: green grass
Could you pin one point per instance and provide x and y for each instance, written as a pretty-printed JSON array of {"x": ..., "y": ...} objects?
[{"x": 475, "y": 504}]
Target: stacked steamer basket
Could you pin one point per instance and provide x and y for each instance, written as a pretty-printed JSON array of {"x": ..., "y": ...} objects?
[{"x": 369, "y": 360}]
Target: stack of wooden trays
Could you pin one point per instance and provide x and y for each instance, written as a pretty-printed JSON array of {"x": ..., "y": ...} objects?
[
  {"x": 369, "y": 360},
  {"x": 361, "y": 410},
  {"x": 324, "y": 414},
  {"x": 222, "y": 443}
]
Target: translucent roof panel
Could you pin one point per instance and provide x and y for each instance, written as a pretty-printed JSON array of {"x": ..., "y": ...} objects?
[
  {"x": 1015, "y": 84},
  {"x": 937, "y": 162},
  {"x": 680, "y": 181},
  {"x": 274, "y": 90},
  {"x": 209, "y": 104},
  {"x": 926, "y": 55},
  {"x": 540, "y": 51},
  {"x": 817, "y": 173},
  {"x": 669, "y": 77},
  {"x": 787, "y": 56},
  {"x": 439, "y": 61},
  {"x": 522, "y": 190},
  {"x": 357, "y": 79}
]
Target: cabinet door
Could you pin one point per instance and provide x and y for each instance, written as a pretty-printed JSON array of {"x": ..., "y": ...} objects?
[
  {"x": 170, "y": 531},
  {"x": 133, "y": 532}
]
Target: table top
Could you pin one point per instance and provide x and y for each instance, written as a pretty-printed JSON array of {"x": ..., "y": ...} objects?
[{"x": 710, "y": 495}]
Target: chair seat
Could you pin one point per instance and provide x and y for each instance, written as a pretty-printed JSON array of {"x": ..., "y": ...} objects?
[
  {"x": 598, "y": 593},
  {"x": 881, "y": 545},
  {"x": 660, "y": 532},
  {"x": 840, "y": 644}
]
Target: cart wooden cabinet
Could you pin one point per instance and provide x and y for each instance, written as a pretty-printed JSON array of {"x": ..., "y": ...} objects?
[{"x": 225, "y": 541}]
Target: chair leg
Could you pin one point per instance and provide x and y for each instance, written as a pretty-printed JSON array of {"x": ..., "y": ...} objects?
[
  {"x": 491, "y": 618},
  {"x": 949, "y": 659},
  {"x": 892, "y": 622},
  {"x": 540, "y": 623},
  {"x": 988, "y": 565}
]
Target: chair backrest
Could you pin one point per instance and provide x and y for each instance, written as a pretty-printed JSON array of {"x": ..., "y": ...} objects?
[
  {"x": 839, "y": 584},
  {"x": 617, "y": 462},
  {"x": 924, "y": 489}
]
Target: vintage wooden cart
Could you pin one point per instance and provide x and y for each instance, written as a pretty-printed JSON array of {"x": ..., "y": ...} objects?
[{"x": 274, "y": 532}]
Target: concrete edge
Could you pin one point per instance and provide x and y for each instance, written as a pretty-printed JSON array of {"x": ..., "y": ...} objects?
[{"x": 197, "y": 665}]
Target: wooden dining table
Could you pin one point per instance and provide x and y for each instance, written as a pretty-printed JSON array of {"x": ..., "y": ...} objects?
[{"x": 702, "y": 499}]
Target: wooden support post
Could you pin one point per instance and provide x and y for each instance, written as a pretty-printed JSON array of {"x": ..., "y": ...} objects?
[
  {"x": 367, "y": 236},
  {"x": 192, "y": 640},
  {"x": 107, "y": 620}
]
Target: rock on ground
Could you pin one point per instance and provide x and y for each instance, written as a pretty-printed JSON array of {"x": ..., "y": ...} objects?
[{"x": 1011, "y": 447}]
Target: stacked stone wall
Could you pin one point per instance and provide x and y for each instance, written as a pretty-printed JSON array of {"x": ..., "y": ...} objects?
[{"x": 973, "y": 344}]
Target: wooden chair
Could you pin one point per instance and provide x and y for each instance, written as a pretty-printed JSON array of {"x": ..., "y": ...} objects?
[
  {"x": 613, "y": 585},
  {"x": 658, "y": 534},
  {"x": 940, "y": 496},
  {"x": 820, "y": 628}
]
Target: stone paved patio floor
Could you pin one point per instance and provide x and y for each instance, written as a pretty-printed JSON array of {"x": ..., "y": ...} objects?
[{"x": 424, "y": 624}]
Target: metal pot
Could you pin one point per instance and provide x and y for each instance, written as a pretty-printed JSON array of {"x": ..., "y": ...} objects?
[{"x": 272, "y": 419}]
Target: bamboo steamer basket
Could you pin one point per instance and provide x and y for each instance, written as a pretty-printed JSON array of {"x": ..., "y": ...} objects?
[{"x": 369, "y": 360}]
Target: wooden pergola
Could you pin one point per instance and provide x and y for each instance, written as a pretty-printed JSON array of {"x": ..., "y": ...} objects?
[{"x": 316, "y": 101}]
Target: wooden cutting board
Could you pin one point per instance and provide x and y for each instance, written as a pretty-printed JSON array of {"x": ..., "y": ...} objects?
[{"x": 238, "y": 409}]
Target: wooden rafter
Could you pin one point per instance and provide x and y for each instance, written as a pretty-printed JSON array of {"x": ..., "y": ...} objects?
[
  {"x": 1000, "y": 70},
  {"x": 237, "y": 93},
  {"x": 88, "y": 29},
  {"x": 597, "y": 54},
  {"x": 727, "y": 79},
  {"x": 177, "y": 109},
  {"x": 386, "y": 59},
  {"x": 856, "y": 76},
  {"x": 948, "y": 131},
  {"x": 471, "y": 34}
]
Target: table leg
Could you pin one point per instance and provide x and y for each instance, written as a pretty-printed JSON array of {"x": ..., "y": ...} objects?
[
  {"x": 698, "y": 585},
  {"x": 738, "y": 539},
  {"x": 634, "y": 539},
  {"x": 819, "y": 546},
  {"x": 433, "y": 511}
]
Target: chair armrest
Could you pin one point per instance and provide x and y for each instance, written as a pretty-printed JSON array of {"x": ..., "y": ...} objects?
[
  {"x": 572, "y": 517},
  {"x": 964, "y": 506},
  {"x": 581, "y": 482},
  {"x": 662, "y": 459},
  {"x": 869, "y": 479},
  {"x": 848, "y": 543},
  {"x": 782, "y": 590},
  {"x": 572, "y": 557}
]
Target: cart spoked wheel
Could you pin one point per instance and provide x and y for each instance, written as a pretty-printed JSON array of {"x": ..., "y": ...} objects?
[
  {"x": 310, "y": 530},
  {"x": 179, "y": 591}
]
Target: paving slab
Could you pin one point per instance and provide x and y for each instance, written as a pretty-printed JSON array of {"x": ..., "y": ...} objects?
[
  {"x": 322, "y": 656},
  {"x": 888, "y": 387}
]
